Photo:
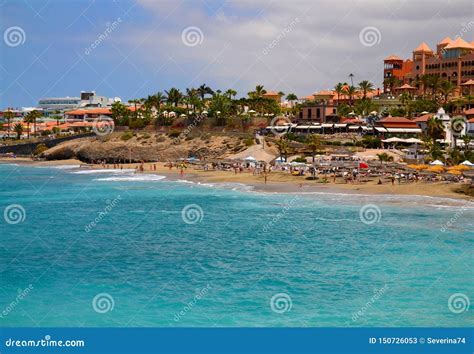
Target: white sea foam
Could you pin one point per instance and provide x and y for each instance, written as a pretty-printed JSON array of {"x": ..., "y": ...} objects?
[
  {"x": 65, "y": 167},
  {"x": 133, "y": 178},
  {"x": 126, "y": 170}
]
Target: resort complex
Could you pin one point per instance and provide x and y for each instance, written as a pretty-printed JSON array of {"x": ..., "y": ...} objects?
[{"x": 423, "y": 114}]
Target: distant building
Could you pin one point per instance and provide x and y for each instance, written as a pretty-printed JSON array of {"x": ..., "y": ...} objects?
[
  {"x": 87, "y": 99},
  {"x": 273, "y": 96}
]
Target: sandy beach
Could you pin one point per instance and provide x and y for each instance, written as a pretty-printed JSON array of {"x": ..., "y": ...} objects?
[{"x": 277, "y": 182}]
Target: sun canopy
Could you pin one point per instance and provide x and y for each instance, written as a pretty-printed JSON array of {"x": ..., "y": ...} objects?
[
  {"x": 467, "y": 163},
  {"x": 250, "y": 158},
  {"x": 393, "y": 140},
  {"x": 437, "y": 163}
]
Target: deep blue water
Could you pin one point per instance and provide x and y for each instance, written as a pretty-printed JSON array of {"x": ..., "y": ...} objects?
[{"x": 145, "y": 266}]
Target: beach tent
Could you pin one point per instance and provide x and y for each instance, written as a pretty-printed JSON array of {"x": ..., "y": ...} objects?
[
  {"x": 437, "y": 163},
  {"x": 467, "y": 163},
  {"x": 279, "y": 159},
  {"x": 393, "y": 140},
  {"x": 250, "y": 159},
  {"x": 414, "y": 141},
  {"x": 363, "y": 165}
]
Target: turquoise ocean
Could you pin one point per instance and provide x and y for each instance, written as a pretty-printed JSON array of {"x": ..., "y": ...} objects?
[{"x": 114, "y": 249}]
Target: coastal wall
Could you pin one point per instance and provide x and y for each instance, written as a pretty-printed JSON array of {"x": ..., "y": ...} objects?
[{"x": 28, "y": 148}]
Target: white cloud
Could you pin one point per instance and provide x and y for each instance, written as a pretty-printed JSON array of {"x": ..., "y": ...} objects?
[{"x": 316, "y": 52}]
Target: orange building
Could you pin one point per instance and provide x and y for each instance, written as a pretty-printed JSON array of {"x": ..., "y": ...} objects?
[{"x": 453, "y": 61}]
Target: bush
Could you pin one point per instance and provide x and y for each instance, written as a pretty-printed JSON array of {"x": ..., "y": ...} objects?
[
  {"x": 45, "y": 132},
  {"x": 40, "y": 148},
  {"x": 160, "y": 138},
  {"x": 146, "y": 136},
  {"x": 174, "y": 134},
  {"x": 249, "y": 141},
  {"x": 300, "y": 159},
  {"x": 127, "y": 135}
]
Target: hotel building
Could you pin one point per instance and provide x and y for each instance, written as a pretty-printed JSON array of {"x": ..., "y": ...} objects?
[{"x": 453, "y": 61}]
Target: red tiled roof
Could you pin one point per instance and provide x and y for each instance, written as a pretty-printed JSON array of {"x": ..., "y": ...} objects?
[
  {"x": 469, "y": 111},
  {"x": 393, "y": 57},
  {"x": 471, "y": 120},
  {"x": 423, "y": 118},
  {"x": 406, "y": 87},
  {"x": 423, "y": 48},
  {"x": 468, "y": 83},
  {"x": 446, "y": 40},
  {"x": 459, "y": 43},
  {"x": 397, "y": 122},
  {"x": 271, "y": 93}
]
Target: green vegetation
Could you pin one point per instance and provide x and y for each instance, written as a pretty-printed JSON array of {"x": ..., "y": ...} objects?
[
  {"x": 40, "y": 148},
  {"x": 127, "y": 135}
]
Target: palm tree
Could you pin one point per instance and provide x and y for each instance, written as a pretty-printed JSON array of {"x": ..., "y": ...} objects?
[
  {"x": 18, "y": 128},
  {"x": 446, "y": 88},
  {"x": 405, "y": 99},
  {"x": 135, "y": 102},
  {"x": 283, "y": 147},
  {"x": 34, "y": 115},
  {"x": 366, "y": 87},
  {"x": 384, "y": 157},
  {"x": 292, "y": 98},
  {"x": 9, "y": 115},
  {"x": 435, "y": 129},
  {"x": 204, "y": 90},
  {"x": 231, "y": 93},
  {"x": 351, "y": 76},
  {"x": 313, "y": 142},
  {"x": 339, "y": 88},
  {"x": 350, "y": 91},
  {"x": 259, "y": 91},
  {"x": 174, "y": 96}
]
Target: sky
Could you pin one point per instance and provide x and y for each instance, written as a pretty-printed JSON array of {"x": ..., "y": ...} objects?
[{"x": 134, "y": 48}]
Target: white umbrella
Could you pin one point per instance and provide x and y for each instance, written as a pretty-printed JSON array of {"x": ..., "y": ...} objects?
[
  {"x": 437, "y": 163},
  {"x": 183, "y": 115},
  {"x": 393, "y": 140},
  {"x": 414, "y": 141},
  {"x": 467, "y": 163},
  {"x": 204, "y": 112},
  {"x": 251, "y": 111}
]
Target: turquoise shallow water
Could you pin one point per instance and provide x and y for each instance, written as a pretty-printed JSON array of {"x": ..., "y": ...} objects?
[{"x": 110, "y": 249}]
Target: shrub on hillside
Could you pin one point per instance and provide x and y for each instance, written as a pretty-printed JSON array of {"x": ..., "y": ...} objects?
[{"x": 127, "y": 135}]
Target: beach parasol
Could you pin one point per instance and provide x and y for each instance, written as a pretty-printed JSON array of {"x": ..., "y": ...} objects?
[
  {"x": 436, "y": 163},
  {"x": 250, "y": 158},
  {"x": 455, "y": 172},
  {"x": 436, "y": 168},
  {"x": 393, "y": 140},
  {"x": 363, "y": 165},
  {"x": 467, "y": 163},
  {"x": 414, "y": 141},
  {"x": 460, "y": 168}
]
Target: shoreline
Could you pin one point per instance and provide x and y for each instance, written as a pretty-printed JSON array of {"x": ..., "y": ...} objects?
[{"x": 277, "y": 182}]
